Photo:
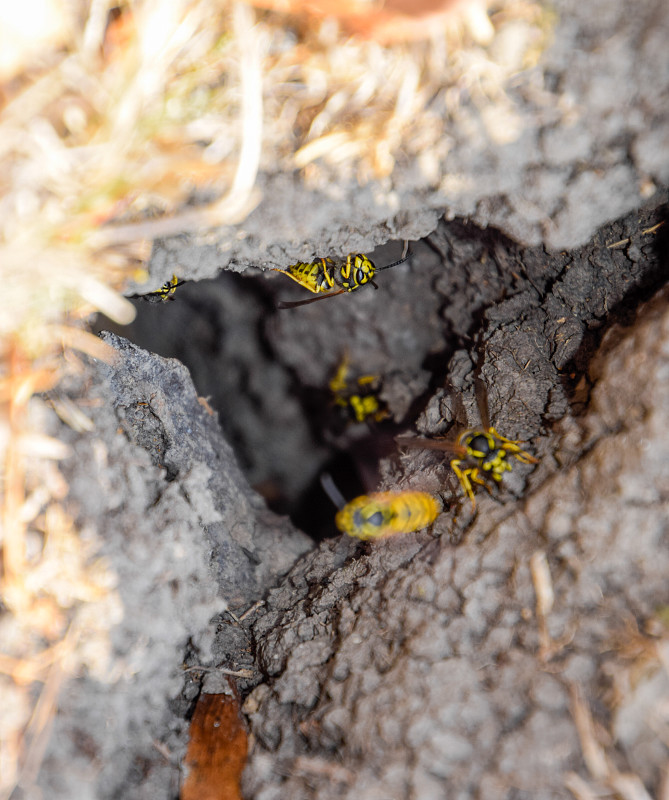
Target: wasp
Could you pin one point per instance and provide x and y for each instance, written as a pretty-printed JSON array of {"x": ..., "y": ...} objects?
[
  {"x": 358, "y": 397},
  {"x": 382, "y": 514},
  {"x": 329, "y": 277},
  {"x": 482, "y": 454},
  {"x": 164, "y": 293}
]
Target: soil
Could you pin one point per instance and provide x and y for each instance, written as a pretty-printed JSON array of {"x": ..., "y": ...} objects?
[
  {"x": 421, "y": 665},
  {"x": 515, "y": 650}
]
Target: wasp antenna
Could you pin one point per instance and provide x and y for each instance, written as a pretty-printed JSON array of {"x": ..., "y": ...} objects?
[
  {"x": 331, "y": 490},
  {"x": 481, "y": 395},
  {"x": 406, "y": 255},
  {"x": 297, "y": 303}
]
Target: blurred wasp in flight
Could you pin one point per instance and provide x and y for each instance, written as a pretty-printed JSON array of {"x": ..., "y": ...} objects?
[{"x": 382, "y": 514}]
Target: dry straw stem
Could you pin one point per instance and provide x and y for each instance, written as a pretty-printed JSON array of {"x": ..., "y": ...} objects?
[
  {"x": 543, "y": 589},
  {"x": 356, "y": 108},
  {"x": 640, "y": 654},
  {"x": 606, "y": 778},
  {"x": 101, "y": 128}
]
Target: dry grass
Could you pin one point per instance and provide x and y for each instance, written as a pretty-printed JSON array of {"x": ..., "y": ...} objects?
[
  {"x": 119, "y": 124},
  {"x": 641, "y": 654}
]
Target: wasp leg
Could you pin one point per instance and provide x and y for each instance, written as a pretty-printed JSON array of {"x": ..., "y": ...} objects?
[
  {"x": 496, "y": 467},
  {"x": 466, "y": 476},
  {"x": 346, "y": 269},
  {"x": 474, "y": 477},
  {"x": 338, "y": 383},
  {"x": 364, "y": 407},
  {"x": 501, "y": 438},
  {"x": 525, "y": 458},
  {"x": 512, "y": 447}
]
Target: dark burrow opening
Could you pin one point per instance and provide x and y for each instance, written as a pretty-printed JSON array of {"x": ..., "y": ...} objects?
[{"x": 472, "y": 325}]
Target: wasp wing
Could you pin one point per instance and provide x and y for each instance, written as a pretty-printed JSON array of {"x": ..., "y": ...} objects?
[
  {"x": 297, "y": 303},
  {"x": 444, "y": 445}
]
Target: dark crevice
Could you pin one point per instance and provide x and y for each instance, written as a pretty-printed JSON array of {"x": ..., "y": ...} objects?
[{"x": 531, "y": 322}]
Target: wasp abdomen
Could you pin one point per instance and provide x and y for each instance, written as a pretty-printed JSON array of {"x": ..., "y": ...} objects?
[{"x": 382, "y": 514}]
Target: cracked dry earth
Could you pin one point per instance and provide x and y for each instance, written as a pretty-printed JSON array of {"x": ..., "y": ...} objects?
[
  {"x": 512, "y": 652},
  {"x": 522, "y": 661}
]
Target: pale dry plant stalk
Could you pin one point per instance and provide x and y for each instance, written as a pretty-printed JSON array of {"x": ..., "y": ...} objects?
[
  {"x": 98, "y": 132},
  {"x": 642, "y": 655},
  {"x": 344, "y": 106}
]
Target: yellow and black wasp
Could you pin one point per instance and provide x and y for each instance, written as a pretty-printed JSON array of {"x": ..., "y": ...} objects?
[
  {"x": 329, "y": 277},
  {"x": 382, "y": 514},
  {"x": 163, "y": 294},
  {"x": 357, "y": 397},
  {"x": 482, "y": 454}
]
